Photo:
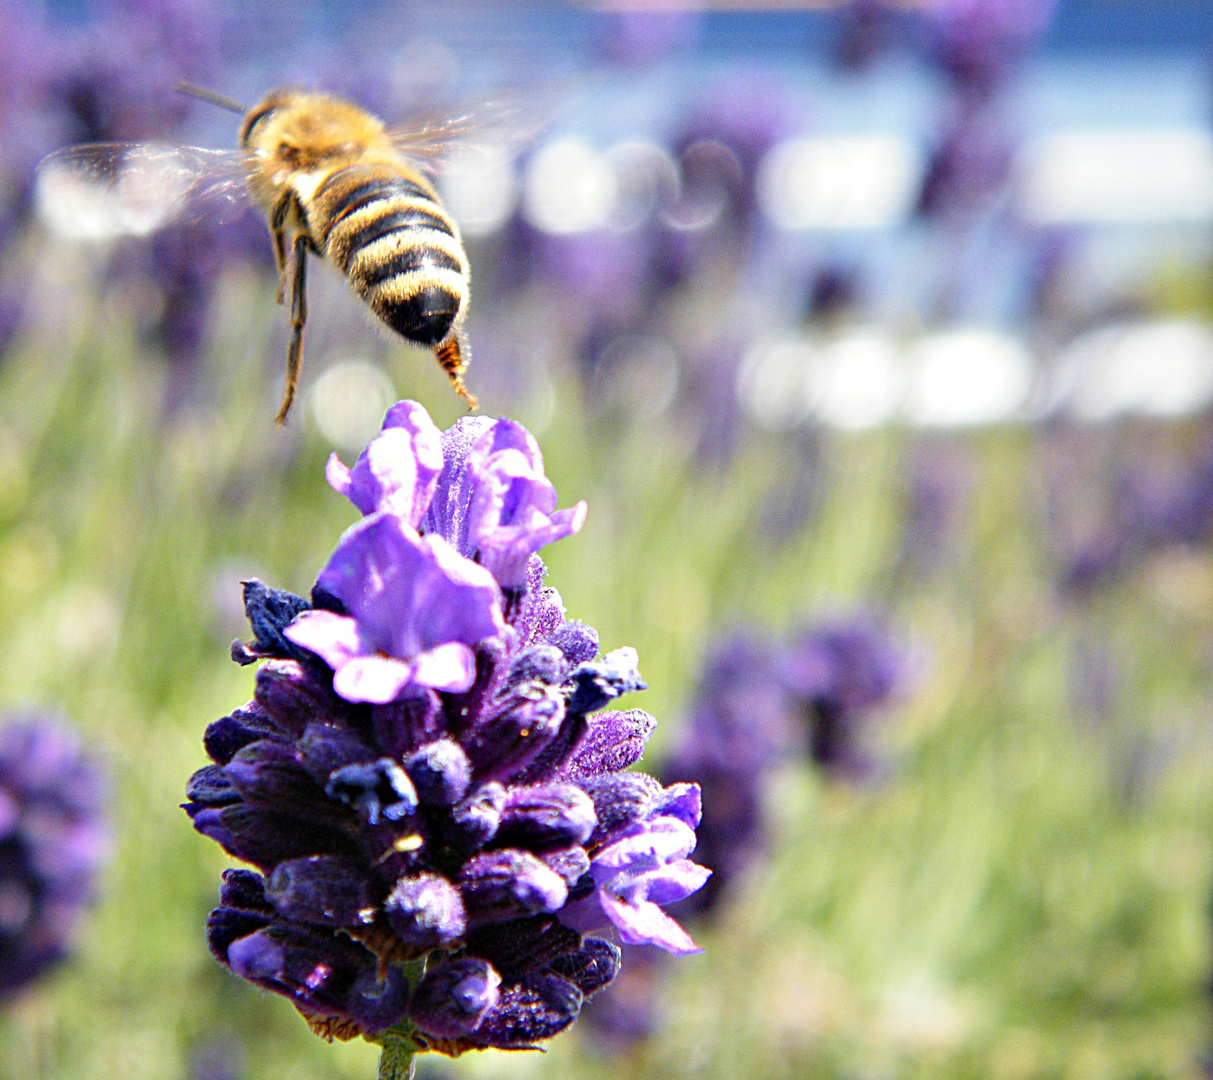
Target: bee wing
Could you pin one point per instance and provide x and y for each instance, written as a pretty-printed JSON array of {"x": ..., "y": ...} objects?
[
  {"x": 507, "y": 123},
  {"x": 104, "y": 190}
]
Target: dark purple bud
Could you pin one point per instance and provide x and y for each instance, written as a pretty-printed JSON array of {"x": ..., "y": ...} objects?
[
  {"x": 324, "y": 976},
  {"x": 245, "y": 891},
  {"x": 578, "y": 642},
  {"x": 521, "y": 946},
  {"x": 474, "y": 822},
  {"x": 452, "y": 998},
  {"x": 547, "y": 815},
  {"x": 505, "y": 884},
  {"x": 209, "y": 786},
  {"x": 621, "y": 798},
  {"x": 268, "y": 774},
  {"x": 378, "y": 789},
  {"x": 264, "y": 838},
  {"x": 504, "y": 746},
  {"x": 554, "y": 756},
  {"x": 268, "y": 611},
  {"x": 249, "y": 724},
  {"x": 527, "y": 1014},
  {"x": 293, "y": 699},
  {"x": 570, "y": 863},
  {"x": 322, "y": 890},
  {"x": 592, "y": 967},
  {"x": 440, "y": 772},
  {"x": 595, "y": 683},
  {"x": 539, "y": 663},
  {"x": 325, "y": 748},
  {"x": 426, "y": 911},
  {"x": 402, "y": 726},
  {"x": 613, "y": 742},
  {"x": 226, "y": 925}
]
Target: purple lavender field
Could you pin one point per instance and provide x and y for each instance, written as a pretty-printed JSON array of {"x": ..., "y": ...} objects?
[{"x": 801, "y": 665}]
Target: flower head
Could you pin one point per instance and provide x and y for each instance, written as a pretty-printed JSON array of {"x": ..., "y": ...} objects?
[
  {"x": 426, "y": 780},
  {"x": 52, "y": 843}
]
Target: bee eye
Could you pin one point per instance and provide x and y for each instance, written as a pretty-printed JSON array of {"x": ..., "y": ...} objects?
[{"x": 253, "y": 119}]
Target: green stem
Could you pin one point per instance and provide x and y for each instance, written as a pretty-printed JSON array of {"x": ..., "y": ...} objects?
[{"x": 398, "y": 1060}]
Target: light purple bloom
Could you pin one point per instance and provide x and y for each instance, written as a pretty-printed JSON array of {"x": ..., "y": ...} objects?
[
  {"x": 494, "y": 501},
  {"x": 643, "y": 869},
  {"x": 415, "y": 607},
  {"x": 398, "y": 470}
]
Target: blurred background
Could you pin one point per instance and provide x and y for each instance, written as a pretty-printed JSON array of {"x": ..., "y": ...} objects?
[{"x": 879, "y": 339}]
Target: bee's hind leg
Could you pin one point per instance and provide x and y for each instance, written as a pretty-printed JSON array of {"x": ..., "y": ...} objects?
[
  {"x": 452, "y": 355},
  {"x": 294, "y": 354}
]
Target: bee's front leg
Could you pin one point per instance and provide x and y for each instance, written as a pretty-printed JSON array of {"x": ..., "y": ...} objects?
[
  {"x": 278, "y": 216},
  {"x": 294, "y": 355}
]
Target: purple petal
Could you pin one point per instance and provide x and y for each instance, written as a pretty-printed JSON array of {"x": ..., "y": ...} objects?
[
  {"x": 644, "y": 923},
  {"x": 683, "y": 801},
  {"x": 446, "y": 667},
  {"x": 673, "y": 882},
  {"x": 332, "y": 637},
  {"x": 409, "y": 593},
  {"x": 377, "y": 678},
  {"x": 398, "y": 470},
  {"x": 649, "y": 846}
]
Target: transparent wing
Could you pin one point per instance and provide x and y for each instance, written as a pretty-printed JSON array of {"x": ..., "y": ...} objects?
[
  {"x": 104, "y": 190},
  {"x": 504, "y": 123}
]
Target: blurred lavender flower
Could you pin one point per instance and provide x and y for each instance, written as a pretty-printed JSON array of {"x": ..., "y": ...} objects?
[
  {"x": 425, "y": 778},
  {"x": 835, "y": 673},
  {"x": 978, "y": 43},
  {"x": 738, "y": 730},
  {"x": 53, "y": 842},
  {"x": 636, "y": 37}
]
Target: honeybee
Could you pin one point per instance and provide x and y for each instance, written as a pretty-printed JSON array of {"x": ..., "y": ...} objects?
[{"x": 333, "y": 182}]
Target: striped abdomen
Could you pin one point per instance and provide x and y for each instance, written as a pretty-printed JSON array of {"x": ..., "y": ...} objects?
[{"x": 390, "y": 236}]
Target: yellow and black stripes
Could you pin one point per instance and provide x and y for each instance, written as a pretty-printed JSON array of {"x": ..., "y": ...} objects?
[{"x": 400, "y": 250}]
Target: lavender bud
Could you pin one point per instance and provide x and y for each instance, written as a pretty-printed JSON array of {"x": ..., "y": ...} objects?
[
  {"x": 592, "y": 967},
  {"x": 523, "y": 946},
  {"x": 381, "y": 788},
  {"x": 614, "y": 741},
  {"x": 547, "y": 815},
  {"x": 323, "y": 890},
  {"x": 426, "y": 911},
  {"x": 539, "y": 663},
  {"x": 209, "y": 786},
  {"x": 504, "y": 746},
  {"x": 452, "y": 999},
  {"x": 620, "y": 798},
  {"x": 322, "y": 749},
  {"x": 267, "y": 773},
  {"x": 440, "y": 772},
  {"x": 268, "y": 611},
  {"x": 570, "y": 863},
  {"x": 578, "y": 642},
  {"x": 595, "y": 683},
  {"x": 530, "y": 1012},
  {"x": 225, "y": 736},
  {"x": 504, "y": 884},
  {"x": 244, "y": 890},
  {"x": 474, "y": 822}
]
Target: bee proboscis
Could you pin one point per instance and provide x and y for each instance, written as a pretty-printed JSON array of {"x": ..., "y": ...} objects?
[{"x": 332, "y": 180}]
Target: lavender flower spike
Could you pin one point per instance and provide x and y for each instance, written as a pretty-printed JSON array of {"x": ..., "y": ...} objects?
[
  {"x": 423, "y": 779},
  {"x": 53, "y": 842}
]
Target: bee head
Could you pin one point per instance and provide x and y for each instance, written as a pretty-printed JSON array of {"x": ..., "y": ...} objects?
[{"x": 265, "y": 108}]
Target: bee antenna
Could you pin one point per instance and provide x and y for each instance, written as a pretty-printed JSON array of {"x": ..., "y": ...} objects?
[{"x": 202, "y": 94}]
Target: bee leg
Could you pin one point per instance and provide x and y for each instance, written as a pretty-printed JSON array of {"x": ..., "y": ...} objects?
[
  {"x": 277, "y": 222},
  {"x": 280, "y": 263},
  {"x": 452, "y": 357},
  {"x": 294, "y": 354}
]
